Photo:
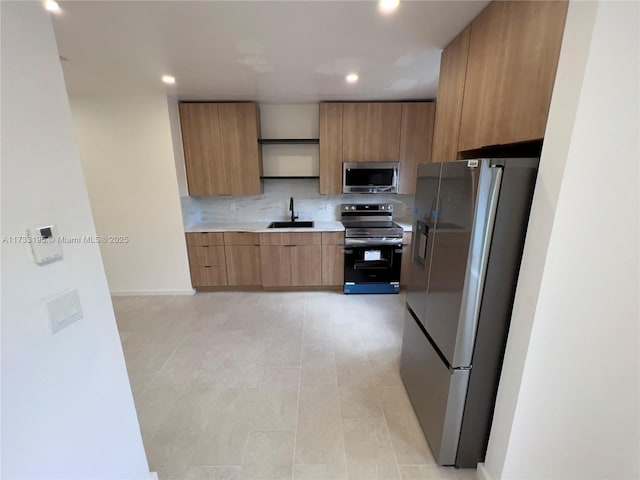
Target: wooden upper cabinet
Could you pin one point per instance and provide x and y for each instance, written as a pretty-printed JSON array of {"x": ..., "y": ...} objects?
[
  {"x": 222, "y": 154},
  {"x": 453, "y": 70},
  {"x": 356, "y": 119},
  {"x": 331, "y": 148},
  {"x": 383, "y": 143},
  {"x": 371, "y": 132},
  {"x": 374, "y": 132},
  {"x": 202, "y": 148},
  {"x": 513, "y": 56},
  {"x": 239, "y": 132},
  {"x": 415, "y": 142}
]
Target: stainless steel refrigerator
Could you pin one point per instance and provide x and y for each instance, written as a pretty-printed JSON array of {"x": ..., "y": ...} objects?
[{"x": 470, "y": 220}]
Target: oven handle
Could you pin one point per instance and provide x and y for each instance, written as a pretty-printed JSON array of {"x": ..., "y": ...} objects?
[{"x": 381, "y": 242}]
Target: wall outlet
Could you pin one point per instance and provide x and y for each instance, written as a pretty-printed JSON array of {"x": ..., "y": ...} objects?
[
  {"x": 328, "y": 207},
  {"x": 233, "y": 207}
]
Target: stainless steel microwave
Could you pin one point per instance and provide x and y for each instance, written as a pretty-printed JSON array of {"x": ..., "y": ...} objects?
[{"x": 370, "y": 177}]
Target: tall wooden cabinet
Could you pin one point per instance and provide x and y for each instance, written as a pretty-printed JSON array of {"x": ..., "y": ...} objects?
[
  {"x": 497, "y": 76},
  {"x": 221, "y": 150},
  {"x": 453, "y": 70},
  {"x": 331, "y": 148},
  {"x": 513, "y": 57},
  {"x": 416, "y": 137},
  {"x": 374, "y": 132}
]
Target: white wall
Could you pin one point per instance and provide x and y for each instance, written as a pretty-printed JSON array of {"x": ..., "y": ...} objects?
[
  {"x": 67, "y": 408},
  {"x": 568, "y": 400},
  {"x": 290, "y": 121},
  {"x": 128, "y": 159}
]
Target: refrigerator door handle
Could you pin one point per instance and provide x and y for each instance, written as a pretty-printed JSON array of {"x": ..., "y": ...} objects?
[{"x": 474, "y": 284}]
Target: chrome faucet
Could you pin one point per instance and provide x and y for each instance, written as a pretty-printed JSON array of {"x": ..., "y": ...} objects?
[{"x": 293, "y": 216}]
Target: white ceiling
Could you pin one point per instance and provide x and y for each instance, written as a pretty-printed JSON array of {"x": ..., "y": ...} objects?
[{"x": 269, "y": 51}]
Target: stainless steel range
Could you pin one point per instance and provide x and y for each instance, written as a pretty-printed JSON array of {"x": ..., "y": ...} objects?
[{"x": 373, "y": 248}]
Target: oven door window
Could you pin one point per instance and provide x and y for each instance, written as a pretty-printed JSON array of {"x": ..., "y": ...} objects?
[{"x": 375, "y": 264}]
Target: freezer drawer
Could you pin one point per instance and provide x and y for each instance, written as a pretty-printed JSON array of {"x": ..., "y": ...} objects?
[{"x": 436, "y": 391}]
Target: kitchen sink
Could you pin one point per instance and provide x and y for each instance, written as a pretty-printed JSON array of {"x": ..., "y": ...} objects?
[{"x": 290, "y": 225}]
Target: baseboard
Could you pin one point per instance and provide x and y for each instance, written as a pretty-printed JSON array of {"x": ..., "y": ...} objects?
[
  {"x": 483, "y": 473},
  {"x": 153, "y": 476},
  {"x": 138, "y": 293}
]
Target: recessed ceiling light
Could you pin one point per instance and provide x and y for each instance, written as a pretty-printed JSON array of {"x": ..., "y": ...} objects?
[
  {"x": 352, "y": 78},
  {"x": 388, "y": 5},
  {"x": 52, "y": 6},
  {"x": 168, "y": 79}
]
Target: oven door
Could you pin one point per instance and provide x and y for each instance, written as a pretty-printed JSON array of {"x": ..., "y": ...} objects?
[{"x": 372, "y": 268}]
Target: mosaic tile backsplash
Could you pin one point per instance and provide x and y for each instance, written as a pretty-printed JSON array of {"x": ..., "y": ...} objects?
[{"x": 273, "y": 204}]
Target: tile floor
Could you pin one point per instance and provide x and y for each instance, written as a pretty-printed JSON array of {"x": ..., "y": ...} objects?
[{"x": 292, "y": 385}]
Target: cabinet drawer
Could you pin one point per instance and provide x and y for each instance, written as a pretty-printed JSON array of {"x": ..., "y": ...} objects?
[
  {"x": 206, "y": 256},
  {"x": 205, "y": 238},
  {"x": 332, "y": 238},
  {"x": 241, "y": 238},
  {"x": 291, "y": 238},
  {"x": 208, "y": 276}
]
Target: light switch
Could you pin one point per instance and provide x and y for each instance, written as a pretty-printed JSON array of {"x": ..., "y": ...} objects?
[{"x": 63, "y": 309}]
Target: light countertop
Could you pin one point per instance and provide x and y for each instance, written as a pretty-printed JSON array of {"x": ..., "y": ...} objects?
[{"x": 261, "y": 227}]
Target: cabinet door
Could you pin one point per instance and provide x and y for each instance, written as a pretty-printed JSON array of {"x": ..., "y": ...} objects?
[
  {"x": 331, "y": 148},
  {"x": 513, "y": 57},
  {"x": 356, "y": 118},
  {"x": 406, "y": 258},
  {"x": 239, "y": 137},
  {"x": 453, "y": 70},
  {"x": 332, "y": 265},
  {"x": 306, "y": 265},
  {"x": 383, "y": 143},
  {"x": 276, "y": 265},
  {"x": 243, "y": 265},
  {"x": 415, "y": 142},
  {"x": 202, "y": 145}
]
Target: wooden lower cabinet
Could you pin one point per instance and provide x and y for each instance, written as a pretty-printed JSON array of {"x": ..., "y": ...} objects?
[
  {"x": 271, "y": 260},
  {"x": 306, "y": 265},
  {"x": 332, "y": 265},
  {"x": 291, "y": 265},
  {"x": 332, "y": 259},
  {"x": 209, "y": 276},
  {"x": 243, "y": 265},
  {"x": 406, "y": 258},
  {"x": 206, "y": 256},
  {"x": 242, "y": 253},
  {"x": 291, "y": 259},
  {"x": 276, "y": 265},
  {"x": 206, "y": 259}
]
